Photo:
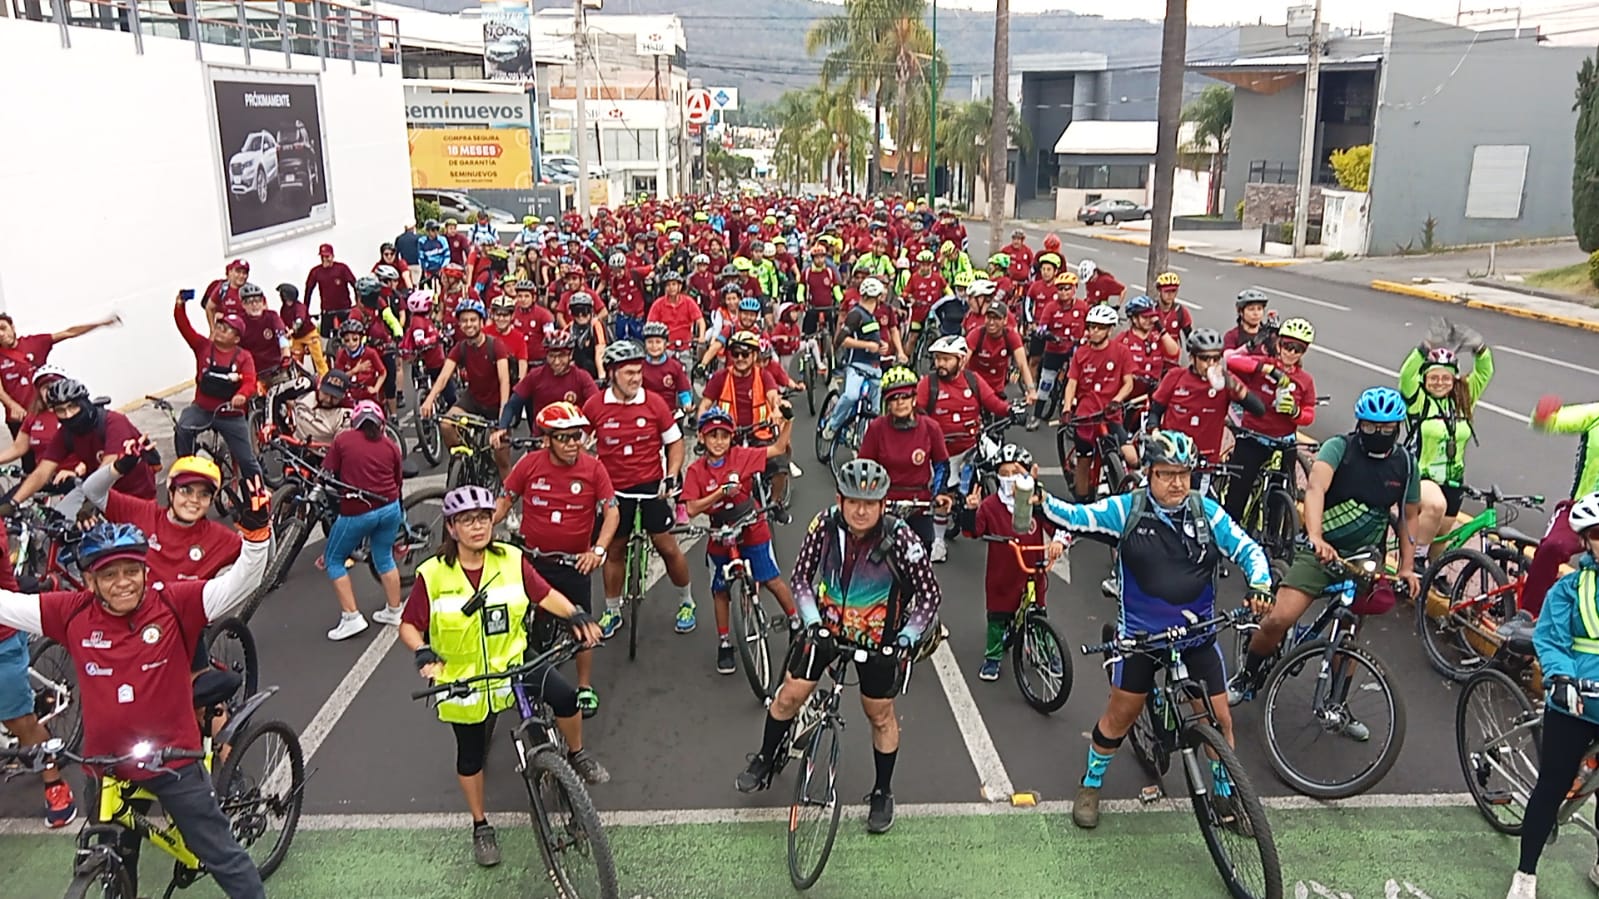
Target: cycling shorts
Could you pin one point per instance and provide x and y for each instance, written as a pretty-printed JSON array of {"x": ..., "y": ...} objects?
[
  {"x": 16, "y": 692},
  {"x": 881, "y": 676},
  {"x": 656, "y": 515},
  {"x": 763, "y": 564},
  {"x": 1136, "y": 672},
  {"x": 826, "y": 316}
]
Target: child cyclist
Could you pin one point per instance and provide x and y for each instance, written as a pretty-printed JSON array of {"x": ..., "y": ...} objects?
[{"x": 721, "y": 483}]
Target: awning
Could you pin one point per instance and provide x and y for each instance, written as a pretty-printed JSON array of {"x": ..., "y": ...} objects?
[{"x": 1085, "y": 138}]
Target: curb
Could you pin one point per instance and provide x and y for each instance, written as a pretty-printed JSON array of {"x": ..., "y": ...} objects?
[
  {"x": 1187, "y": 251},
  {"x": 1262, "y": 263},
  {"x": 1487, "y": 305},
  {"x": 1410, "y": 290}
]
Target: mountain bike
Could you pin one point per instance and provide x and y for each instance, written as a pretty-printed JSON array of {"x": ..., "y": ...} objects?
[
  {"x": 809, "y": 368},
  {"x": 572, "y": 841},
  {"x": 53, "y": 678},
  {"x": 635, "y": 559},
  {"x": 472, "y": 461},
  {"x": 1178, "y": 719},
  {"x": 1271, "y": 514},
  {"x": 752, "y": 628},
  {"x": 1498, "y": 727},
  {"x": 44, "y": 549},
  {"x": 847, "y": 439},
  {"x": 1107, "y": 469},
  {"x": 1039, "y": 660},
  {"x": 209, "y": 444}
]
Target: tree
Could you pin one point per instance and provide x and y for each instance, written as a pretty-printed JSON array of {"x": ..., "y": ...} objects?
[
  {"x": 1585, "y": 171},
  {"x": 963, "y": 132},
  {"x": 998, "y": 128},
  {"x": 1211, "y": 114},
  {"x": 1168, "y": 112},
  {"x": 722, "y": 165},
  {"x": 1352, "y": 167}
]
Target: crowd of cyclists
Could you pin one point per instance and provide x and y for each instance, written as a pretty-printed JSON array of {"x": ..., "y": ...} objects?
[{"x": 636, "y": 370}]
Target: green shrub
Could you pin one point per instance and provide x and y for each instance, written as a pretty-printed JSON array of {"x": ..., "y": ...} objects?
[
  {"x": 1352, "y": 167},
  {"x": 424, "y": 210},
  {"x": 1593, "y": 268}
]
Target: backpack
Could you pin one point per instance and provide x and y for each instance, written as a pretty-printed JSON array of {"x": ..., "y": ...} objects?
[
  {"x": 933, "y": 391},
  {"x": 1196, "y": 509}
]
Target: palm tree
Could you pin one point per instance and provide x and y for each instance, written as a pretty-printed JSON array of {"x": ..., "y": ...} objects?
[
  {"x": 1211, "y": 114},
  {"x": 963, "y": 132}
]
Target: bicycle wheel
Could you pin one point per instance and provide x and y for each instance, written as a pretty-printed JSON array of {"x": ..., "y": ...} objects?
[
  {"x": 291, "y": 527},
  {"x": 1461, "y": 605},
  {"x": 1497, "y": 732},
  {"x": 102, "y": 878},
  {"x": 751, "y": 630},
  {"x": 1041, "y": 665},
  {"x": 845, "y": 444},
  {"x": 420, "y": 534},
  {"x": 808, "y": 378},
  {"x": 230, "y": 644},
  {"x": 54, "y": 679},
  {"x": 824, "y": 447},
  {"x": 571, "y": 839},
  {"x": 273, "y": 465},
  {"x": 429, "y": 439},
  {"x": 813, "y": 817},
  {"x": 456, "y": 473},
  {"x": 1281, "y": 525},
  {"x": 1321, "y": 754},
  {"x": 210, "y": 443},
  {"x": 1235, "y": 827},
  {"x": 396, "y": 435},
  {"x": 260, "y": 788}
]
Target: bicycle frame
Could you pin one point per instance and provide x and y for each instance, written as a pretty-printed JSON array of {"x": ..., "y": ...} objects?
[
  {"x": 115, "y": 813},
  {"x": 62, "y": 694}
]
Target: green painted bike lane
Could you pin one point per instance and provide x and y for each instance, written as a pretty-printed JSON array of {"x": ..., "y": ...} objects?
[{"x": 1441, "y": 853}]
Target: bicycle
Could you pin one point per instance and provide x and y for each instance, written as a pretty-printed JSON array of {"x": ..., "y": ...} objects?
[
  {"x": 253, "y": 801},
  {"x": 1271, "y": 514},
  {"x": 563, "y": 815},
  {"x": 1468, "y": 592},
  {"x": 44, "y": 550},
  {"x": 209, "y": 444},
  {"x": 849, "y": 436},
  {"x": 635, "y": 559},
  {"x": 472, "y": 460},
  {"x": 752, "y": 627},
  {"x": 53, "y": 678},
  {"x": 1178, "y": 718},
  {"x": 1108, "y": 469},
  {"x": 1343, "y": 674},
  {"x": 1039, "y": 660},
  {"x": 810, "y": 368},
  {"x": 1499, "y": 727}
]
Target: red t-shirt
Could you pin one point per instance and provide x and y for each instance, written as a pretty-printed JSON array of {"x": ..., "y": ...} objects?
[
  {"x": 908, "y": 455},
  {"x": 679, "y": 318},
  {"x": 924, "y": 291},
  {"x": 560, "y": 503},
  {"x": 1195, "y": 408},
  {"x": 1174, "y": 321},
  {"x": 41, "y": 428},
  {"x": 479, "y": 369},
  {"x": 958, "y": 408},
  {"x": 208, "y": 355},
  {"x": 704, "y": 478},
  {"x": 819, "y": 284},
  {"x": 1273, "y": 423},
  {"x": 1064, "y": 322},
  {"x": 337, "y": 284},
  {"x": 372, "y": 465},
  {"x": 1102, "y": 287},
  {"x": 630, "y": 437},
  {"x": 90, "y": 448},
  {"x": 422, "y": 339},
  {"x": 1098, "y": 372},
  {"x": 534, "y": 323},
  {"x": 419, "y": 605},
  {"x": 666, "y": 379},
  {"x": 18, "y": 362},
  {"x": 1021, "y": 261},
  {"x": 991, "y": 356},
  {"x": 177, "y": 553},
  {"x": 363, "y": 383},
  {"x": 512, "y": 337},
  {"x": 1149, "y": 361},
  {"x": 260, "y": 338},
  {"x": 542, "y": 387},
  {"x": 785, "y": 337}
]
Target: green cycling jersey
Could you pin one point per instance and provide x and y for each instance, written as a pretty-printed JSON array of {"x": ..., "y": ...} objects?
[
  {"x": 1582, "y": 420},
  {"x": 1438, "y": 432}
]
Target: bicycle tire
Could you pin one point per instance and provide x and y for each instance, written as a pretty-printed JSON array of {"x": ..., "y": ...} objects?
[
  {"x": 68, "y": 726},
  {"x": 1448, "y": 639},
  {"x": 273, "y": 466},
  {"x": 238, "y": 795},
  {"x": 247, "y": 665},
  {"x": 1308, "y": 655},
  {"x": 808, "y": 378},
  {"x": 398, "y": 436},
  {"x": 824, "y": 448},
  {"x": 455, "y": 474},
  {"x": 288, "y": 539},
  {"x": 120, "y": 885},
  {"x": 820, "y": 758},
  {"x": 848, "y": 439},
  {"x": 633, "y": 593},
  {"x": 582, "y": 826},
  {"x": 1476, "y": 696},
  {"x": 419, "y": 534},
  {"x": 1044, "y": 639},
  {"x": 211, "y": 444},
  {"x": 752, "y": 636},
  {"x": 1204, "y": 740},
  {"x": 429, "y": 439},
  {"x": 1281, "y": 526}
]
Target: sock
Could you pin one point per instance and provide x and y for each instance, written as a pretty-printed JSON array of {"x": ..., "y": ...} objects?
[
  {"x": 480, "y": 823},
  {"x": 686, "y": 595},
  {"x": 994, "y": 648},
  {"x": 884, "y": 762},
  {"x": 1254, "y": 663},
  {"x": 940, "y": 525},
  {"x": 1221, "y": 784},
  {"x": 721, "y": 634},
  {"x": 1097, "y": 764},
  {"x": 772, "y": 736},
  {"x": 613, "y": 604},
  {"x": 349, "y": 616}
]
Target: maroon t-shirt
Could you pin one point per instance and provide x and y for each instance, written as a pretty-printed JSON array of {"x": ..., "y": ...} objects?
[
  {"x": 337, "y": 284},
  {"x": 92, "y": 447},
  {"x": 541, "y": 387},
  {"x": 372, "y": 465},
  {"x": 18, "y": 362},
  {"x": 560, "y": 503},
  {"x": 478, "y": 370},
  {"x": 177, "y": 553},
  {"x": 908, "y": 455}
]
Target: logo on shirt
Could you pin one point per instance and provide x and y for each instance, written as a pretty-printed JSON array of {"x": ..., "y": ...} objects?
[
  {"x": 641, "y": 421},
  {"x": 125, "y": 693},
  {"x": 577, "y": 487},
  {"x": 150, "y": 666},
  {"x": 94, "y": 670},
  {"x": 570, "y": 396},
  {"x": 918, "y": 456},
  {"x": 151, "y": 634},
  {"x": 95, "y": 640},
  {"x": 195, "y": 553}
]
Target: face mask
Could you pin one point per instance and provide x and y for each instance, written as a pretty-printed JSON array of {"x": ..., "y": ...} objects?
[
  {"x": 1379, "y": 445},
  {"x": 1007, "y": 485},
  {"x": 84, "y": 421}
]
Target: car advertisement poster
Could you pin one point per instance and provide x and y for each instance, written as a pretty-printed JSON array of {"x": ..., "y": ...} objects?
[
  {"x": 270, "y": 141},
  {"x": 471, "y": 158},
  {"x": 507, "y": 44}
]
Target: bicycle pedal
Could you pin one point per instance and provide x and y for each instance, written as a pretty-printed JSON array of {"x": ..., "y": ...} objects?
[{"x": 1151, "y": 793}]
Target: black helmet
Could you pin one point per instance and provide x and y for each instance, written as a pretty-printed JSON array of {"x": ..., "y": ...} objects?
[
  {"x": 353, "y": 326},
  {"x": 288, "y": 293},
  {"x": 63, "y": 391}
]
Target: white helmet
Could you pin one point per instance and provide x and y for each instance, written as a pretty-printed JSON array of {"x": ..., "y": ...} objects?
[
  {"x": 1585, "y": 513},
  {"x": 618, "y": 260},
  {"x": 982, "y": 287},
  {"x": 872, "y": 287},
  {"x": 1086, "y": 269},
  {"x": 954, "y": 345},
  {"x": 701, "y": 259},
  {"x": 1103, "y": 314}
]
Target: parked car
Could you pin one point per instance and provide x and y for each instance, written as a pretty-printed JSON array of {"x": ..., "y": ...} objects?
[
  {"x": 510, "y": 53},
  {"x": 297, "y": 160},
  {"x": 1111, "y": 210},
  {"x": 567, "y": 165},
  {"x": 464, "y": 209},
  {"x": 254, "y": 169}
]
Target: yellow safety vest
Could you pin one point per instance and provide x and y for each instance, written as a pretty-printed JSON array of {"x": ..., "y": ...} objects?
[
  {"x": 1588, "y": 608},
  {"x": 492, "y": 639}
]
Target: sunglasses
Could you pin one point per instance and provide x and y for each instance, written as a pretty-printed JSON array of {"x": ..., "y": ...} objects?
[
  {"x": 742, "y": 354},
  {"x": 1374, "y": 427},
  {"x": 567, "y": 437},
  {"x": 1207, "y": 357},
  {"x": 1292, "y": 346}
]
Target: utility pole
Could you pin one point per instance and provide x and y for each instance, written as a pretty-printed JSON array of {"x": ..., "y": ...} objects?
[
  {"x": 1307, "y": 134},
  {"x": 932, "y": 118},
  {"x": 580, "y": 121},
  {"x": 999, "y": 125},
  {"x": 1168, "y": 115}
]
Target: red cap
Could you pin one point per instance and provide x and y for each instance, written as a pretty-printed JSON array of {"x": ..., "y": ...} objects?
[
  {"x": 240, "y": 264},
  {"x": 325, "y": 250},
  {"x": 232, "y": 320}
]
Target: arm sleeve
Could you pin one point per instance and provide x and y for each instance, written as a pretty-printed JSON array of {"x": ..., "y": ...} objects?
[
  {"x": 1238, "y": 546},
  {"x": 1482, "y": 371},
  {"x": 1242, "y": 364},
  {"x": 21, "y": 611},
  {"x": 805, "y": 565},
  {"x": 233, "y": 586},
  {"x": 1552, "y": 637},
  {"x": 513, "y": 409},
  {"x": 918, "y": 569},
  {"x": 96, "y": 488},
  {"x": 1573, "y": 419},
  {"x": 1107, "y": 517}
]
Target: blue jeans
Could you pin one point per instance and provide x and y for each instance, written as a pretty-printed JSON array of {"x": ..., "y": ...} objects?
[
  {"x": 857, "y": 379},
  {"x": 380, "y": 526},
  {"x": 627, "y": 327}
]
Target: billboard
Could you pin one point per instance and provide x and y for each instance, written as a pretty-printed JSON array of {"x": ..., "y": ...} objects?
[
  {"x": 471, "y": 158},
  {"x": 270, "y": 150},
  {"x": 507, "y": 44},
  {"x": 426, "y": 108}
]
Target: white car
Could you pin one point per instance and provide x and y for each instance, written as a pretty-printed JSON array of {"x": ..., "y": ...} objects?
[
  {"x": 568, "y": 165},
  {"x": 254, "y": 169}
]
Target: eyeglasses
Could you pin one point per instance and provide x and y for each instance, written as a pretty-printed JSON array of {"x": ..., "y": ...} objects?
[
  {"x": 567, "y": 437},
  {"x": 1292, "y": 346},
  {"x": 1170, "y": 475},
  {"x": 475, "y": 518},
  {"x": 742, "y": 354},
  {"x": 195, "y": 491},
  {"x": 1375, "y": 427}
]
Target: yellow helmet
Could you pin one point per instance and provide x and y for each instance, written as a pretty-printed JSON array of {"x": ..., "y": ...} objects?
[
  {"x": 898, "y": 379},
  {"x": 1167, "y": 279},
  {"x": 1066, "y": 278},
  {"x": 1298, "y": 329},
  {"x": 189, "y": 469}
]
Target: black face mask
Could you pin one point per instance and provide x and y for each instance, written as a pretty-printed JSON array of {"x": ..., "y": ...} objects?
[
  {"x": 1378, "y": 445},
  {"x": 87, "y": 419}
]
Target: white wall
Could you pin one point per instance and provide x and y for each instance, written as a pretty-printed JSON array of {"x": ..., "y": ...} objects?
[{"x": 117, "y": 150}]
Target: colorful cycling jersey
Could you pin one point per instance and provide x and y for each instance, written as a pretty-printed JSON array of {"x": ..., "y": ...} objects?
[
  {"x": 1363, "y": 489},
  {"x": 870, "y": 591},
  {"x": 1583, "y": 420},
  {"x": 1437, "y": 433}
]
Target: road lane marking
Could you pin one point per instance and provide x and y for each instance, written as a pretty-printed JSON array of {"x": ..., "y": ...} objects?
[
  {"x": 1194, "y": 306},
  {"x": 1176, "y": 268},
  {"x": 1371, "y": 366},
  {"x": 996, "y": 785},
  {"x": 1302, "y": 299},
  {"x": 1537, "y": 358}
]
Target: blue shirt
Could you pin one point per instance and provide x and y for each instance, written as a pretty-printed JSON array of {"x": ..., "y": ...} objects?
[
  {"x": 1560, "y": 622},
  {"x": 406, "y": 246},
  {"x": 434, "y": 252}
]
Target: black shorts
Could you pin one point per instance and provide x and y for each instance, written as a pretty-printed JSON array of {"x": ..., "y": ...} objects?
[
  {"x": 656, "y": 515},
  {"x": 881, "y": 676},
  {"x": 470, "y": 406},
  {"x": 922, "y": 524},
  {"x": 332, "y": 320},
  {"x": 1136, "y": 673},
  {"x": 568, "y": 581},
  {"x": 390, "y": 361},
  {"x": 1035, "y": 346},
  {"x": 1452, "y": 499},
  {"x": 1086, "y": 447},
  {"x": 1057, "y": 361},
  {"x": 814, "y": 315}
]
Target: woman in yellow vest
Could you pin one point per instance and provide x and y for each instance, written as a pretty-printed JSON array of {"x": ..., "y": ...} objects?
[{"x": 451, "y": 644}]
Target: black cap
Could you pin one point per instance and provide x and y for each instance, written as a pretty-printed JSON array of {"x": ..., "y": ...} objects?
[{"x": 334, "y": 383}]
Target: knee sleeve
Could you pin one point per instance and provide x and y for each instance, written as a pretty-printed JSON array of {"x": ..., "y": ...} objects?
[{"x": 1100, "y": 739}]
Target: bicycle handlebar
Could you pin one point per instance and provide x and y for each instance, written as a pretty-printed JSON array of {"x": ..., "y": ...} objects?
[
  {"x": 142, "y": 753},
  {"x": 562, "y": 651},
  {"x": 1493, "y": 496},
  {"x": 1019, "y": 548},
  {"x": 1145, "y": 642}
]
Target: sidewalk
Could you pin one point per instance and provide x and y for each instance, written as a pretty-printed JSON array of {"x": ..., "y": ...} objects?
[{"x": 1239, "y": 246}]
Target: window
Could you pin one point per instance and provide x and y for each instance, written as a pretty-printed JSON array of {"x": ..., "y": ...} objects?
[
  {"x": 1104, "y": 177},
  {"x": 627, "y": 145},
  {"x": 1498, "y": 173}
]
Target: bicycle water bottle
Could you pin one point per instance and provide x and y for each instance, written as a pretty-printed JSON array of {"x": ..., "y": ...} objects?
[{"x": 1021, "y": 516}]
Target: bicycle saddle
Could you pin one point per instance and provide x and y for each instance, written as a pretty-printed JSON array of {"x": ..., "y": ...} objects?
[
  {"x": 1511, "y": 535},
  {"x": 214, "y": 686},
  {"x": 1516, "y": 633}
]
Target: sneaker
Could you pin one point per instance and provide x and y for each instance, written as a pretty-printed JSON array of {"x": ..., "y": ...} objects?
[
  {"x": 939, "y": 552},
  {"x": 388, "y": 615},
  {"x": 588, "y": 767},
  {"x": 757, "y": 776},
  {"x": 1240, "y": 689},
  {"x": 794, "y": 471},
  {"x": 485, "y": 848},
  {"x": 828, "y": 433},
  {"x": 1032, "y": 423},
  {"x": 588, "y": 701},
  {"x": 725, "y": 663},
  {"x": 1524, "y": 886},
  {"x": 880, "y": 817},
  {"x": 989, "y": 671},
  {"x": 1230, "y": 815},
  {"x": 1356, "y": 730},
  {"x": 610, "y": 622},
  {"x": 685, "y": 618},
  {"x": 60, "y": 809},
  {"x": 1111, "y": 587},
  {"x": 348, "y": 626},
  {"x": 1085, "y": 808}
]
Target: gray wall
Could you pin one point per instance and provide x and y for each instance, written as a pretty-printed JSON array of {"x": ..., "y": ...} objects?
[
  {"x": 1265, "y": 126},
  {"x": 1431, "y": 115},
  {"x": 1046, "y": 107}
]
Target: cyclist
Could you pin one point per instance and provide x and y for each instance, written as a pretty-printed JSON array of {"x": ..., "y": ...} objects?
[
  {"x": 363, "y": 362},
  {"x": 1251, "y": 334},
  {"x": 382, "y": 328},
  {"x": 1059, "y": 323},
  {"x": 863, "y": 346},
  {"x": 642, "y": 448},
  {"x": 1004, "y": 581},
  {"x": 1287, "y": 391},
  {"x": 1098, "y": 380},
  {"x": 434, "y": 250},
  {"x": 1560, "y": 543},
  {"x": 185, "y": 545},
  {"x": 482, "y": 232},
  {"x": 38, "y": 428},
  {"x": 1152, "y": 349},
  {"x": 819, "y": 292},
  {"x": 952, "y": 262},
  {"x": 762, "y": 269},
  {"x": 485, "y": 371},
  {"x": 911, "y": 448},
  {"x": 563, "y": 492},
  {"x": 751, "y": 393},
  {"x": 1194, "y": 399},
  {"x": 1035, "y": 295},
  {"x": 747, "y": 317},
  {"x": 1567, "y": 641},
  {"x": 1174, "y": 319},
  {"x": 18, "y": 711},
  {"x": 222, "y": 295},
  {"x": 681, "y": 315},
  {"x": 1439, "y": 405},
  {"x": 556, "y": 381},
  {"x": 1170, "y": 541},
  {"x": 317, "y": 413},
  {"x": 721, "y": 484},
  {"x": 785, "y": 335},
  {"x": 224, "y": 381},
  {"x": 924, "y": 287},
  {"x": 151, "y": 698},
  {"x": 451, "y": 643},
  {"x": 365, "y": 457},
  {"x": 423, "y": 342},
  {"x": 664, "y": 374},
  {"x": 1021, "y": 257},
  {"x": 88, "y": 431},
  {"x": 1099, "y": 285},
  {"x": 956, "y": 399},
  {"x": 263, "y": 336},
  {"x": 303, "y": 337},
  {"x": 20, "y": 356},
  {"x": 995, "y": 347},
  {"x": 336, "y": 282},
  {"x": 502, "y": 324},
  {"x": 862, "y": 577},
  {"x": 1356, "y": 479}
]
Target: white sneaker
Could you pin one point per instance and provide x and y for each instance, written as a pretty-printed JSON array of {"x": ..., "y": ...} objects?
[
  {"x": 940, "y": 552},
  {"x": 1110, "y": 587},
  {"x": 389, "y": 616},
  {"x": 794, "y": 471},
  {"x": 1523, "y": 886},
  {"x": 349, "y": 625}
]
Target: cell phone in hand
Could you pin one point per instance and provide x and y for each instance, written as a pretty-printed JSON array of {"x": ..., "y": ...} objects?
[{"x": 187, "y": 294}]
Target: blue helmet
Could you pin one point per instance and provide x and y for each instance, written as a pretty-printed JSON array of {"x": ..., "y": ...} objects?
[
  {"x": 749, "y": 304},
  {"x": 716, "y": 417},
  {"x": 1382, "y": 405},
  {"x": 471, "y": 306},
  {"x": 108, "y": 541},
  {"x": 1170, "y": 448},
  {"x": 1139, "y": 305}
]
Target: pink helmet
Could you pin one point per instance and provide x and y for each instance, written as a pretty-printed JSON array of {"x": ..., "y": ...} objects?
[
  {"x": 366, "y": 411},
  {"x": 421, "y": 301},
  {"x": 1442, "y": 356},
  {"x": 467, "y": 498}
]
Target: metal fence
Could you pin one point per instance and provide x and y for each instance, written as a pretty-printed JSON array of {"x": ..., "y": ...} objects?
[
  {"x": 262, "y": 28},
  {"x": 1266, "y": 171}
]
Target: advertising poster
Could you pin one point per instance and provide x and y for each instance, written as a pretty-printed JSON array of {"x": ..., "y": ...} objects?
[
  {"x": 270, "y": 141},
  {"x": 507, "y": 45},
  {"x": 468, "y": 159}
]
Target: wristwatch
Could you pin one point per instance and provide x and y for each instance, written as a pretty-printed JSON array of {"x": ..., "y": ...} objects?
[{"x": 599, "y": 551}]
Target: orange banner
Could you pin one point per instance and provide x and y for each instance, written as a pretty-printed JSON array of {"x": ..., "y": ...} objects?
[{"x": 465, "y": 158}]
